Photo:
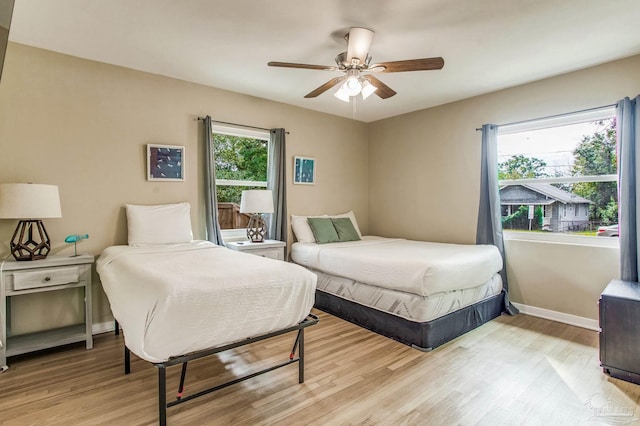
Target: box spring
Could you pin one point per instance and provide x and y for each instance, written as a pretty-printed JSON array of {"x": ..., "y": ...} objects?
[{"x": 424, "y": 336}]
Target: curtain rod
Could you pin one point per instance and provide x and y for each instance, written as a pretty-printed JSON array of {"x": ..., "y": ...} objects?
[
  {"x": 553, "y": 116},
  {"x": 239, "y": 125}
]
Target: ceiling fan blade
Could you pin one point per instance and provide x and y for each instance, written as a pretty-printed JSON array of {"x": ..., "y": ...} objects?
[
  {"x": 383, "y": 91},
  {"x": 328, "y": 85},
  {"x": 359, "y": 41},
  {"x": 423, "y": 64},
  {"x": 302, "y": 66}
]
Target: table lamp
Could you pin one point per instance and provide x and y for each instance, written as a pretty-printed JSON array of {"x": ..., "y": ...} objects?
[
  {"x": 30, "y": 203},
  {"x": 256, "y": 201}
]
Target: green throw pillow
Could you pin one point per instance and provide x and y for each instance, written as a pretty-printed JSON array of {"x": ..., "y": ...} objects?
[
  {"x": 345, "y": 229},
  {"x": 323, "y": 230}
]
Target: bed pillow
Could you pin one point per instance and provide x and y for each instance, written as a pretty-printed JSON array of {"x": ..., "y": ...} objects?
[
  {"x": 159, "y": 224},
  {"x": 345, "y": 229},
  {"x": 302, "y": 230},
  {"x": 351, "y": 216},
  {"x": 323, "y": 230}
]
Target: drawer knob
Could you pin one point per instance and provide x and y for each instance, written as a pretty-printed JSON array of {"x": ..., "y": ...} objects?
[{"x": 47, "y": 279}]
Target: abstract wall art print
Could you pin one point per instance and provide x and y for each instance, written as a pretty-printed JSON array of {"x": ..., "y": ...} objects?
[
  {"x": 165, "y": 162},
  {"x": 304, "y": 170}
]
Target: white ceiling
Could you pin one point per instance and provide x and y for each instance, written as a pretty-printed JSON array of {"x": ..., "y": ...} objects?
[{"x": 487, "y": 45}]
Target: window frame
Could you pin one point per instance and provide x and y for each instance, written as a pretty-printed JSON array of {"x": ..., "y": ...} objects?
[
  {"x": 550, "y": 122},
  {"x": 240, "y": 234}
]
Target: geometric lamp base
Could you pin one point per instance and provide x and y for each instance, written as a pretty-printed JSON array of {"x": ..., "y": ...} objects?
[
  {"x": 24, "y": 246},
  {"x": 256, "y": 228}
]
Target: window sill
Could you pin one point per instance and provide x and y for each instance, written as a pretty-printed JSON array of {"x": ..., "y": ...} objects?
[
  {"x": 232, "y": 235},
  {"x": 552, "y": 238}
]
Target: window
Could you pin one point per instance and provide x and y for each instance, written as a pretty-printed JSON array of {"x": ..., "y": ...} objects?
[
  {"x": 241, "y": 162},
  {"x": 559, "y": 175}
]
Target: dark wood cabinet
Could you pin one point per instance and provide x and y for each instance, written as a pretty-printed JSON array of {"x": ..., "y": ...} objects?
[{"x": 620, "y": 330}]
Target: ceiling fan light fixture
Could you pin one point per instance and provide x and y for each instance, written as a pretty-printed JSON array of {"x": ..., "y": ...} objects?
[
  {"x": 352, "y": 86},
  {"x": 342, "y": 94},
  {"x": 367, "y": 89},
  {"x": 359, "y": 41},
  {"x": 357, "y": 60}
]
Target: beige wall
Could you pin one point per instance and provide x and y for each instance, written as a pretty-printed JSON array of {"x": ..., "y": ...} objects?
[
  {"x": 566, "y": 278},
  {"x": 83, "y": 126},
  {"x": 434, "y": 156}
]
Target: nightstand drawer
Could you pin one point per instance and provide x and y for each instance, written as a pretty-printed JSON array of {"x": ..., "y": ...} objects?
[
  {"x": 273, "y": 249},
  {"x": 276, "y": 253},
  {"x": 45, "y": 277}
]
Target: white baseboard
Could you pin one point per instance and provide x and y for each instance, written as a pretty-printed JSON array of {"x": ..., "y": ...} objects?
[
  {"x": 583, "y": 322},
  {"x": 102, "y": 327}
]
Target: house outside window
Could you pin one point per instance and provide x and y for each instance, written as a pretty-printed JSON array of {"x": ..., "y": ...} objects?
[
  {"x": 241, "y": 162},
  {"x": 559, "y": 175}
]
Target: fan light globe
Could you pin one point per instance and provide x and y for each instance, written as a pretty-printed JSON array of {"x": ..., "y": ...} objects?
[
  {"x": 352, "y": 86},
  {"x": 342, "y": 95},
  {"x": 367, "y": 89}
]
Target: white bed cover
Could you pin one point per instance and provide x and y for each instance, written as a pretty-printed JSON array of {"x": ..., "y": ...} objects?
[
  {"x": 181, "y": 298},
  {"x": 417, "y": 267}
]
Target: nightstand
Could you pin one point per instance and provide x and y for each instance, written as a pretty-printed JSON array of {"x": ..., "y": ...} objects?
[
  {"x": 269, "y": 248},
  {"x": 38, "y": 276}
]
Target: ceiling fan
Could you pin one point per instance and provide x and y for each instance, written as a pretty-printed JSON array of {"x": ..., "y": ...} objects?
[{"x": 356, "y": 64}]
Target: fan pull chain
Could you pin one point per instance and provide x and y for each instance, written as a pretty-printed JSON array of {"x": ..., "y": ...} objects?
[{"x": 353, "y": 106}]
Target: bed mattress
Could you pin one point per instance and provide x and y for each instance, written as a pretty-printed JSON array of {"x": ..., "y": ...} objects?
[
  {"x": 407, "y": 305},
  {"x": 416, "y": 267},
  {"x": 178, "y": 299}
]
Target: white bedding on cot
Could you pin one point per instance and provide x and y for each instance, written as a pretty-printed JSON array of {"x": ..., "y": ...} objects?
[
  {"x": 176, "y": 299},
  {"x": 417, "y": 267}
]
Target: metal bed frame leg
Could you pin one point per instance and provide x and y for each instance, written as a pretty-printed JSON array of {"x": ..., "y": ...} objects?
[
  {"x": 295, "y": 345},
  {"x": 127, "y": 360},
  {"x": 299, "y": 343},
  {"x": 301, "y": 357},
  {"x": 162, "y": 395},
  {"x": 182, "y": 376}
]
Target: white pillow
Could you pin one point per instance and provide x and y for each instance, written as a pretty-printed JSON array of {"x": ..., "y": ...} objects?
[
  {"x": 302, "y": 230},
  {"x": 351, "y": 216},
  {"x": 160, "y": 224}
]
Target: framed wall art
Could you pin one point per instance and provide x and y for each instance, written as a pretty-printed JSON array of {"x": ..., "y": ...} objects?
[
  {"x": 304, "y": 170},
  {"x": 165, "y": 162}
]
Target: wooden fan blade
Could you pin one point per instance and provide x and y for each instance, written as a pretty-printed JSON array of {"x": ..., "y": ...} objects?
[
  {"x": 328, "y": 85},
  {"x": 302, "y": 66},
  {"x": 423, "y": 64},
  {"x": 383, "y": 91}
]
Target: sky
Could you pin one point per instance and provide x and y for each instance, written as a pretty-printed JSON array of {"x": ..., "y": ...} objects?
[{"x": 554, "y": 145}]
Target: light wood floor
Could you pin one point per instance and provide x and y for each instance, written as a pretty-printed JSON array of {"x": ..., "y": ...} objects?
[{"x": 513, "y": 370}]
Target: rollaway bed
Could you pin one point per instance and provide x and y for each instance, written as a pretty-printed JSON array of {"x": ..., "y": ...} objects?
[{"x": 179, "y": 302}]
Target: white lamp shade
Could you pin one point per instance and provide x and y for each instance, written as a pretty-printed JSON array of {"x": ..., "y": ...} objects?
[
  {"x": 359, "y": 43},
  {"x": 367, "y": 89},
  {"x": 256, "y": 201},
  {"x": 352, "y": 86},
  {"x": 29, "y": 201},
  {"x": 342, "y": 95}
]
